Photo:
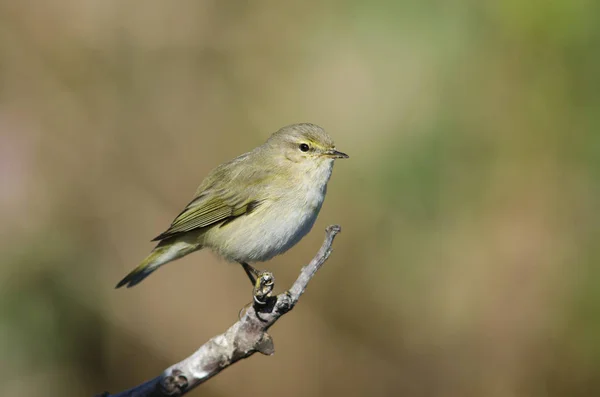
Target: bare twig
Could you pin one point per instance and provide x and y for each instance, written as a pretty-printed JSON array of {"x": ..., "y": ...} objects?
[{"x": 244, "y": 338}]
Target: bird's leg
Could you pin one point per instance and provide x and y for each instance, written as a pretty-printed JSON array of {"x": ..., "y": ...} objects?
[
  {"x": 263, "y": 282},
  {"x": 251, "y": 272}
]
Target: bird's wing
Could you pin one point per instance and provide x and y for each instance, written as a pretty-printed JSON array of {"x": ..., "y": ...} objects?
[
  {"x": 202, "y": 212},
  {"x": 216, "y": 203}
]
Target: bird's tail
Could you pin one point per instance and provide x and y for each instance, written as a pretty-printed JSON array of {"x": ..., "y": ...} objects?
[{"x": 163, "y": 253}]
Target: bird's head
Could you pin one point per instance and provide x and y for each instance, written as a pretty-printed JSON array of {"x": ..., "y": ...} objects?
[{"x": 305, "y": 143}]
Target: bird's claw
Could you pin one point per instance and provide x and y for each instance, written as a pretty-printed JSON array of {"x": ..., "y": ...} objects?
[{"x": 263, "y": 287}]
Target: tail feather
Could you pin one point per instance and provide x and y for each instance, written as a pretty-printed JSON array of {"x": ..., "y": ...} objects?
[
  {"x": 159, "y": 256},
  {"x": 148, "y": 265},
  {"x": 135, "y": 277}
]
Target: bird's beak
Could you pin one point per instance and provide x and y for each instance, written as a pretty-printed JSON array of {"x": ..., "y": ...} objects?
[{"x": 334, "y": 154}]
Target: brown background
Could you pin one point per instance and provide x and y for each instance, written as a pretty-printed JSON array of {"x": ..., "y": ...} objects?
[{"x": 468, "y": 262}]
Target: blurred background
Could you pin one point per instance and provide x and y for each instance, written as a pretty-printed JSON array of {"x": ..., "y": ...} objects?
[{"x": 470, "y": 206}]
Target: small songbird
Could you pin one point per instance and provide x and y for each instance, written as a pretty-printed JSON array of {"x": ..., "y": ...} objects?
[{"x": 253, "y": 207}]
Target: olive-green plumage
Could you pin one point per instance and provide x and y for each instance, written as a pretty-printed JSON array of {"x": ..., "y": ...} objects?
[{"x": 255, "y": 206}]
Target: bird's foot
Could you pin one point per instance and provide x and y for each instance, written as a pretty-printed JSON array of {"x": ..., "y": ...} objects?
[
  {"x": 263, "y": 287},
  {"x": 263, "y": 282}
]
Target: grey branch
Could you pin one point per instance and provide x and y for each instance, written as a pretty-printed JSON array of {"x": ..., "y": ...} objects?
[{"x": 244, "y": 338}]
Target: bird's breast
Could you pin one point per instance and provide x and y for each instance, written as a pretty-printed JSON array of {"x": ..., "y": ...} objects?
[{"x": 275, "y": 226}]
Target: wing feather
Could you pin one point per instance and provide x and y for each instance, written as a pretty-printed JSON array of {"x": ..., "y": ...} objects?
[
  {"x": 215, "y": 204},
  {"x": 200, "y": 215}
]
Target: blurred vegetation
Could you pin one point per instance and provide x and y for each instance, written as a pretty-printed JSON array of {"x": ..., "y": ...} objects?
[{"x": 468, "y": 265}]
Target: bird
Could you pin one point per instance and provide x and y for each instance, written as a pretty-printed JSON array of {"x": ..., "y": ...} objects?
[{"x": 254, "y": 207}]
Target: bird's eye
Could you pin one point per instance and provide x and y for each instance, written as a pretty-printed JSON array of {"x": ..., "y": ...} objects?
[{"x": 304, "y": 147}]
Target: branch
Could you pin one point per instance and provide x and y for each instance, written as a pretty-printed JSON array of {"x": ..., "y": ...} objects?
[{"x": 244, "y": 338}]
